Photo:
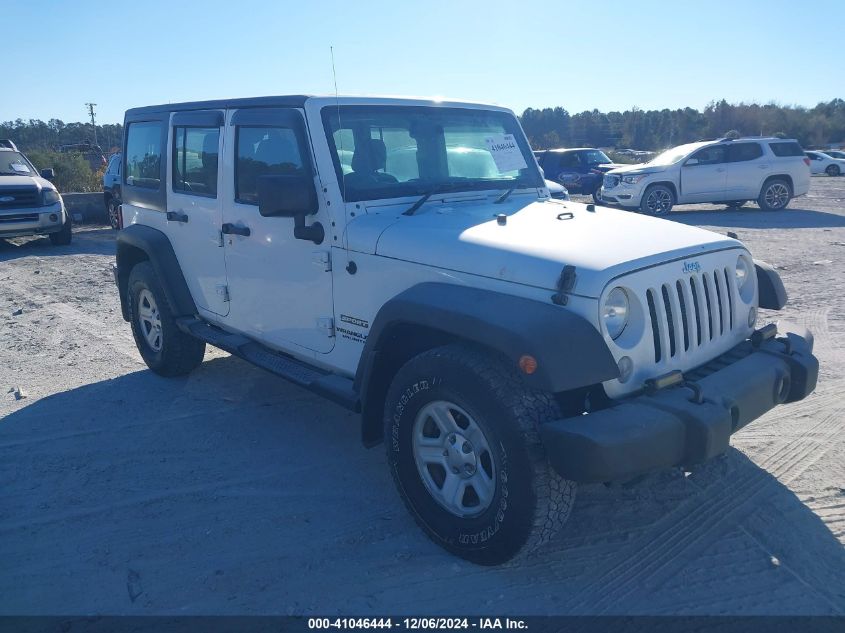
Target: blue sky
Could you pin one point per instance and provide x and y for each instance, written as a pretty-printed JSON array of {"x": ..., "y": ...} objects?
[{"x": 580, "y": 55}]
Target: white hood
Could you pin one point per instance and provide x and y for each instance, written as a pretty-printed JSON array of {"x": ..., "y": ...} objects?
[
  {"x": 531, "y": 248},
  {"x": 25, "y": 181}
]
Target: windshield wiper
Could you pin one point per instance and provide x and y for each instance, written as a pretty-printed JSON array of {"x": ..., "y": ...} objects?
[
  {"x": 507, "y": 194},
  {"x": 441, "y": 188}
]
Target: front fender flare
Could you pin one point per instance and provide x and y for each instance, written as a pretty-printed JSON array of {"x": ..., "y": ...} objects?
[
  {"x": 772, "y": 294},
  {"x": 570, "y": 352}
]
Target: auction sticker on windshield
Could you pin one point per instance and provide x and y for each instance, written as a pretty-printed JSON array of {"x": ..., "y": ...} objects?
[{"x": 505, "y": 152}]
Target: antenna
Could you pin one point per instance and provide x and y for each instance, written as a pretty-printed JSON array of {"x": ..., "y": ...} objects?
[
  {"x": 339, "y": 126},
  {"x": 340, "y": 160},
  {"x": 93, "y": 122}
]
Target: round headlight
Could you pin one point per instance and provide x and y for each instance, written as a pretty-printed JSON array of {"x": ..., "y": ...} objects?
[
  {"x": 744, "y": 276},
  {"x": 614, "y": 312}
]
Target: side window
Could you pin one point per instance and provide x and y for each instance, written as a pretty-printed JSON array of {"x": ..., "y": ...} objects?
[
  {"x": 195, "y": 158},
  {"x": 787, "y": 149},
  {"x": 712, "y": 155},
  {"x": 569, "y": 161},
  {"x": 740, "y": 152},
  {"x": 143, "y": 154},
  {"x": 262, "y": 151}
]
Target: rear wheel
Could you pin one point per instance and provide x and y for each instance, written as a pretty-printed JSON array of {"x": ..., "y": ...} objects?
[
  {"x": 833, "y": 170},
  {"x": 657, "y": 200},
  {"x": 774, "y": 195},
  {"x": 164, "y": 347},
  {"x": 597, "y": 195},
  {"x": 465, "y": 454}
]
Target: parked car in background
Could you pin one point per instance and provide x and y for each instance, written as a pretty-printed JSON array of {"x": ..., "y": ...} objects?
[
  {"x": 556, "y": 190},
  {"x": 823, "y": 163},
  {"x": 29, "y": 203},
  {"x": 92, "y": 153},
  {"x": 111, "y": 190},
  {"x": 835, "y": 153},
  {"x": 771, "y": 171},
  {"x": 580, "y": 169}
]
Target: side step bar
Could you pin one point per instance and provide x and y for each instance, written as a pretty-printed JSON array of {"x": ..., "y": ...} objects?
[{"x": 336, "y": 388}]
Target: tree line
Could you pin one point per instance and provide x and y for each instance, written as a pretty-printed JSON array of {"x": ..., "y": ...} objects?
[{"x": 819, "y": 126}]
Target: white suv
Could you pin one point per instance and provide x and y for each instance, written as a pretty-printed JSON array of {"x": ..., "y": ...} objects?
[
  {"x": 771, "y": 171},
  {"x": 404, "y": 259}
]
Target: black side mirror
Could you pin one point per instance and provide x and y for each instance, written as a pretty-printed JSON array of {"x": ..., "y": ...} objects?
[
  {"x": 291, "y": 196},
  {"x": 287, "y": 195},
  {"x": 48, "y": 174}
]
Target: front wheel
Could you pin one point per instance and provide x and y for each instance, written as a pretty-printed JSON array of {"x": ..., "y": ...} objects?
[
  {"x": 65, "y": 236},
  {"x": 775, "y": 195},
  {"x": 164, "y": 347},
  {"x": 657, "y": 200},
  {"x": 114, "y": 213},
  {"x": 465, "y": 454},
  {"x": 833, "y": 170}
]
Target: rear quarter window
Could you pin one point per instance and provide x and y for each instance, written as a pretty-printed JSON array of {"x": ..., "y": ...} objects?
[
  {"x": 143, "y": 155},
  {"x": 786, "y": 149}
]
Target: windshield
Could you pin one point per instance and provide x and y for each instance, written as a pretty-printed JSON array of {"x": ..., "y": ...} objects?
[
  {"x": 672, "y": 156},
  {"x": 392, "y": 151},
  {"x": 15, "y": 164}
]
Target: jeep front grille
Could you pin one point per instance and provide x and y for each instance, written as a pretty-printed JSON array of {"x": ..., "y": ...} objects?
[
  {"x": 691, "y": 313},
  {"x": 19, "y": 197}
]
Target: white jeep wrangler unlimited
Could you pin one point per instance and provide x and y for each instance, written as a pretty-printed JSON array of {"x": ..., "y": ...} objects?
[{"x": 404, "y": 259}]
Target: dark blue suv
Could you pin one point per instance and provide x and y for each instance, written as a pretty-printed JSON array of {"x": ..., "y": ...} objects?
[{"x": 580, "y": 170}]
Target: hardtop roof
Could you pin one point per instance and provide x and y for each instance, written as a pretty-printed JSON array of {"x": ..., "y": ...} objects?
[{"x": 298, "y": 101}]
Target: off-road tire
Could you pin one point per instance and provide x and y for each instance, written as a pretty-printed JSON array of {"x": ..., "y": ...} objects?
[
  {"x": 664, "y": 193},
  {"x": 65, "y": 236},
  {"x": 180, "y": 353},
  {"x": 768, "y": 200},
  {"x": 531, "y": 501},
  {"x": 833, "y": 170}
]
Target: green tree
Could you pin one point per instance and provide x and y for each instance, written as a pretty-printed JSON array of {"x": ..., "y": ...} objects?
[{"x": 73, "y": 174}]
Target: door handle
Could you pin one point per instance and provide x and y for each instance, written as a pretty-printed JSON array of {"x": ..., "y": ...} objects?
[
  {"x": 763, "y": 166},
  {"x": 232, "y": 229},
  {"x": 720, "y": 169},
  {"x": 177, "y": 216}
]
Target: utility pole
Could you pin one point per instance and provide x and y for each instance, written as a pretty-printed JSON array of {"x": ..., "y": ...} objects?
[{"x": 93, "y": 121}]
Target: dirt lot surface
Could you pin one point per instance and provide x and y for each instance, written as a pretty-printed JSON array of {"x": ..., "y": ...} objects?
[{"x": 232, "y": 491}]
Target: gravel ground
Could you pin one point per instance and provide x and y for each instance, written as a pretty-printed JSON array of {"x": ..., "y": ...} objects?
[{"x": 233, "y": 492}]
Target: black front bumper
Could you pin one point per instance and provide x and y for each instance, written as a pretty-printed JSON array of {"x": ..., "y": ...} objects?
[{"x": 685, "y": 424}]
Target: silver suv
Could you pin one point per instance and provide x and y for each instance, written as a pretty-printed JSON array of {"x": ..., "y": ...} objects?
[
  {"x": 770, "y": 171},
  {"x": 29, "y": 203}
]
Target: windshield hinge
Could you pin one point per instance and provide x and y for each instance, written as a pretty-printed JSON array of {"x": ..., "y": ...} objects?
[
  {"x": 322, "y": 258},
  {"x": 565, "y": 283}
]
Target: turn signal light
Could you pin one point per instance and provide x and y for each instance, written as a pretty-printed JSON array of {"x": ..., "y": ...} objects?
[{"x": 528, "y": 364}]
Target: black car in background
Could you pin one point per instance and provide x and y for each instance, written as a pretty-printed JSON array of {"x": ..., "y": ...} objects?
[{"x": 580, "y": 169}]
